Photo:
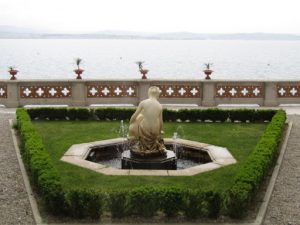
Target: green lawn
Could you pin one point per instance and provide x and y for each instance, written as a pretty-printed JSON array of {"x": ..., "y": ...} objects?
[{"x": 58, "y": 136}]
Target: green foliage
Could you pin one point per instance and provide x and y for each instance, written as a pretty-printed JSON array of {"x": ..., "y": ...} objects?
[
  {"x": 143, "y": 201},
  {"x": 118, "y": 203},
  {"x": 171, "y": 200},
  {"x": 37, "y": 161},
  {"x": 85, "y": 203},
  {"x": 169, "y": 115},
  {"x": 114, "y": 113},
  {"x": 242, "y": 115},
  {"x": 200, "y": 203},
  {"x": 146, "y": 201},
  {"x": 250, "y": 176},
  {"x": 264, "y": 115}
]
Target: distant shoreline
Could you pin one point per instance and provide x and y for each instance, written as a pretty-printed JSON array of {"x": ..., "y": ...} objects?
[{"x": 123, "y": 35}]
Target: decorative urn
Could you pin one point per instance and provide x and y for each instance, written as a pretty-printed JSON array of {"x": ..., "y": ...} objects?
[
  {"x": 144, "y": 73},
  {"x": 13, "y": 72},
  {"x": 78, "y": 72},
  {"x": 208, "y": 71}
]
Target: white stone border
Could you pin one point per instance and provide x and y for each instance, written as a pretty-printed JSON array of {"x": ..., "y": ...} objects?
[{"x": 78, "y": 153}]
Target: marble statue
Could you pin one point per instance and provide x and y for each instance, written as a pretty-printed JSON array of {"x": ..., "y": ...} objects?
[{"x": 146, "y": 126}]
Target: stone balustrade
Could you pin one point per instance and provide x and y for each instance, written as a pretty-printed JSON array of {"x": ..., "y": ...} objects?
[{"x": 194, "y": 92}]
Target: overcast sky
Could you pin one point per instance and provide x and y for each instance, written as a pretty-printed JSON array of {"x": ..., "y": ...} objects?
[{"x": 203, "y": 16}]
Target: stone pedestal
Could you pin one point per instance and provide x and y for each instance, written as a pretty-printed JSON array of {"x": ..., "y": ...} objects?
[{"x": 167, "y": 162}]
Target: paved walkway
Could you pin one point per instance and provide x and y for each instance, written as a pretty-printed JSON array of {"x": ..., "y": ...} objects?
[
  {"x": 284, "y": 207},
  {"x": 14, "y": 203}
]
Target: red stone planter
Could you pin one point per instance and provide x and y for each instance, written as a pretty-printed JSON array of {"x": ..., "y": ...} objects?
[
  {"x": 78, "y": 72},
  {"x": 144, "y": 73},
  {"x": 207, "y": 73},
  {"x": 13, "y": 73}
]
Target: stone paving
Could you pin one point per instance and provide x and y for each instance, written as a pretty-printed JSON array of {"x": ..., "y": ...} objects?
[
  {"x": 15, "y": 208},
  {"x": 284, "y": 207}
]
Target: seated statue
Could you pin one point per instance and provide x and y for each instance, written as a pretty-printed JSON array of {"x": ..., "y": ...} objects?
[{"x": 146, "y": 126}]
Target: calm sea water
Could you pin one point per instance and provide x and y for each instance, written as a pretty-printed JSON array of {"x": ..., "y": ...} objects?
[{"x": 115, "y": 59}]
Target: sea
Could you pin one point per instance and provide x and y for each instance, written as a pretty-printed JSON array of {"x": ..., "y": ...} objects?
[{"x": 165, "y": 59}]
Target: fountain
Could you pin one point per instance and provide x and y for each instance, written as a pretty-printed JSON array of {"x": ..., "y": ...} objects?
[
  {"x": 141, "y": 150},
  {"x": 147, "y": 149}
]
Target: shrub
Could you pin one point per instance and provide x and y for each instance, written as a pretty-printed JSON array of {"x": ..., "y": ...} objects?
[
  {"x": 241, "y": 115},
  {"x": 118, "y": 203},
  {"x": 38, "y": 162},
  {"x": 250, "y": 176},
  {"x": 85, "y": 203},
  {"x": 78, "y": 113},
  {"x": 171, "y": 200},
  {"x": 193, "y": 207},
  {"x": 168, "y": 114},
  {"x": 146, "y": 201},
  {"x": 264, "y": 115},
  {"x": 143, "y": 201},
  {"x": 114, "y": 113}
]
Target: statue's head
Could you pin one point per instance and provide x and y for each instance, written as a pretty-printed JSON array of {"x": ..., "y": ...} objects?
[{"x": 154, "y": 92}]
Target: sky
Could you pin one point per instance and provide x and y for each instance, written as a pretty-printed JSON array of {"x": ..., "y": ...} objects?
[{"x": 201, "y": 16}]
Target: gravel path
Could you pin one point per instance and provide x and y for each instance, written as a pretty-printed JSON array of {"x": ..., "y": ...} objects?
[
  {"x": 284, "y": 207},
  {"x": 14, "y": 203}
]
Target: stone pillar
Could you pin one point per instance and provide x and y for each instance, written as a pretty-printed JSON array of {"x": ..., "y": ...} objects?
[
  {"x": 143, "y": 87},
  {"x": 13, "y": 95},
  {"x": 270, "y": 94},
  {"x": 79, "y": 93},
  {"x": 208, "y": 94}
]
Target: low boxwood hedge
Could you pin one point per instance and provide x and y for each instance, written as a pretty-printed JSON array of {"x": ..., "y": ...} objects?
[
  {"x": 192, "y": 115},
  {"x": 248, "y": 179},
  {"x": 147, "y": 201}
]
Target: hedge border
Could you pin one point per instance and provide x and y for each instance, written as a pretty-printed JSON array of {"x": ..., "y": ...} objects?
[
  {"x": 193, "y": 115},
  {"x": 147, "y": 201}
]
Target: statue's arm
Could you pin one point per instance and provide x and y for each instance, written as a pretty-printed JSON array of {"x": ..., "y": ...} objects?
[{"x": 136, "y": 113}]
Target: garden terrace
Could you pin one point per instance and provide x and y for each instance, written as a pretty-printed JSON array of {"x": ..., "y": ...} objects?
[{"x": 85, "y": 194}]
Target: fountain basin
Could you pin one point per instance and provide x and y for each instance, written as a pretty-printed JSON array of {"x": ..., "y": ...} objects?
[
  {"x": 162, "y": 162},
  {"x": 205, "y": 157}
]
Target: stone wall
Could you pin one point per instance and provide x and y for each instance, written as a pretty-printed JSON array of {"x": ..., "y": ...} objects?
[{"x": 197, "y": 92}]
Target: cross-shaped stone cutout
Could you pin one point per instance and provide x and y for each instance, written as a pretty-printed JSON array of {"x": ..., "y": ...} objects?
[
  {"x": 244, "y": 91},
  {"x": 221, "y": 91},
  {"x": 256, "y": 91},
  {"x": 118, "y": 91},
  {"x": 170, "y": 91},
  {"x": 27, "y": 92},
  {"x": 293, "y": 91},
  {"x": 40, "y": 92},
  {"x": 182, "y": 91},
  {"x": 105, "y": 91},
  {"x": 130, "y": 91},
  {"x": 281, "y": 91},
  {"x": 194, "y": 91},
  {"x": 2, "y": 92},
  {"x": 232, "y": 92},
  {"x": 52, "y": 91},
  {"x": 65, "y": 91},
  {"x": 93, "y": 91}
]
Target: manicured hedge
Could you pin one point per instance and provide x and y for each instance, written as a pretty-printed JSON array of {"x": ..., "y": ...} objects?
[
  {"x": 43, "y": 173},
  {"x": 249, "y": 178},
  {"x": 148, "y": 201},
  {"x": 192, "y": 115}
]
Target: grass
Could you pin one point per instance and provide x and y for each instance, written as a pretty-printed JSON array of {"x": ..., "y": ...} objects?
[{"x": 58, "y": 136}]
